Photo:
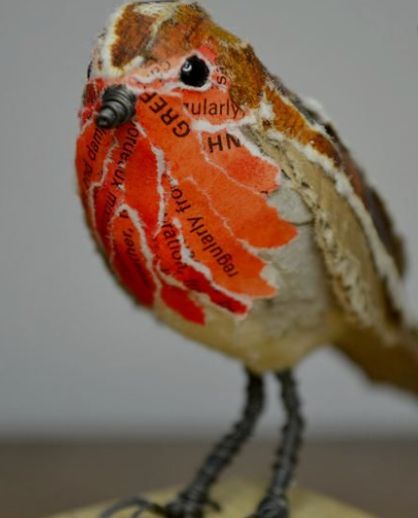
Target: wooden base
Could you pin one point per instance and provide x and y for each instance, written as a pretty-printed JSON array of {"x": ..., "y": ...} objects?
[{"x": 239, "y": 499}]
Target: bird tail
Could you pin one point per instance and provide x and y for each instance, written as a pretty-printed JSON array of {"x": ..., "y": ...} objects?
[{"x": 396, "y": 365}]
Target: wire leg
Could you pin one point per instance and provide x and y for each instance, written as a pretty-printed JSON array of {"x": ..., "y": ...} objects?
[
  {"x": 191, "y": 502},
  {"x": 275, "y": 504}
]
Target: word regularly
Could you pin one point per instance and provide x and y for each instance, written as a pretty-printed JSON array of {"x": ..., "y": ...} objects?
[
  {"x": 199, "y": 227},
  {"x": 211, "y": 246},
  {"x": 205, "y": 107}
]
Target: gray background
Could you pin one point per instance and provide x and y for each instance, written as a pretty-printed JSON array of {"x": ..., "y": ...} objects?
[{"x": 76, "y": 357}]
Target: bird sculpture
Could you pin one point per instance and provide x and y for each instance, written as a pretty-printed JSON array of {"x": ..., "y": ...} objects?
[{"x": 230, "y": 208}]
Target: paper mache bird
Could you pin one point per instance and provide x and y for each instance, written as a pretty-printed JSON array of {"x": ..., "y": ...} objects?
[{"x": 230, "y": 207}]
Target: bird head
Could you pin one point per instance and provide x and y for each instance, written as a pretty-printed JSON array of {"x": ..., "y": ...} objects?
[{"x": 174, "y": 47}]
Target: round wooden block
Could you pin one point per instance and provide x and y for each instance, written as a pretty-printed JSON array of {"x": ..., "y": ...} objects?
[{"x": 239, "y": 499}]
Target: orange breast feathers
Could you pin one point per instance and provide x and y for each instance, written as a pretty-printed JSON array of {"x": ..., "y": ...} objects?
[{"x": 178, "y": 201}]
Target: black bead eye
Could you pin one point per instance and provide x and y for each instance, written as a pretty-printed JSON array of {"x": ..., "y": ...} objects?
[{"x": 195, "y": 72}]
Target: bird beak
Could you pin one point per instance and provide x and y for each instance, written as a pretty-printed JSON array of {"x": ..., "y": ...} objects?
[{"x": 118, "y": 107}]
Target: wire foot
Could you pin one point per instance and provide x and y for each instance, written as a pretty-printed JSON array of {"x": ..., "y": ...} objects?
[{"x": 273, "y": 508}]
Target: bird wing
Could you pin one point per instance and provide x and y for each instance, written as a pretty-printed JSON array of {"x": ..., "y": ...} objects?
[{"x": 364, "y": 256}]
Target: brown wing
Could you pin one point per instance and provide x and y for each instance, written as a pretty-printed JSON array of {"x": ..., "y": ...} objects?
[
  {"x": 396, "y": 364},
  {"x": 371, "y": 199},
  {"x": 373, "y": 202}
]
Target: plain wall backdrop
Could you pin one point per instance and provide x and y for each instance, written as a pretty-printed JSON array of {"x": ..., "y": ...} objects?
[{"x": 76, "y": 356}]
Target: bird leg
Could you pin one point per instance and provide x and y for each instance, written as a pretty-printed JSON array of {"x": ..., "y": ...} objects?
[
  {"x": 196, "y": 496},
  {"x": 191, "y": 502},
  {"x": 275, "y": 503}
]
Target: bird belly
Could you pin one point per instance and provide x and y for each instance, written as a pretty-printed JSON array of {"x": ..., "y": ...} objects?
[{"x": 277, "y": 332}]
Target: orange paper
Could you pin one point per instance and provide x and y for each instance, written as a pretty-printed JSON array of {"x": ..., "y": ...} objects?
[{"x": 178, "y": 200}]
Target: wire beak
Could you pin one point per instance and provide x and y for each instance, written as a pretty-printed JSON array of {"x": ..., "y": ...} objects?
[{"x": 118, "y": 107}]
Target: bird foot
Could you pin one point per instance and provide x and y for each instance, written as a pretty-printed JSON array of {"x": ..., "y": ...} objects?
[
  {"x": 272, "y": 508},
  {"x": 180, "y": 508},
  {"x": 186, "y": 508}
]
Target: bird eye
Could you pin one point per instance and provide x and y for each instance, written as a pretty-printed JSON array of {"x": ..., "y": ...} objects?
[{"x": 195, "y": 72}]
